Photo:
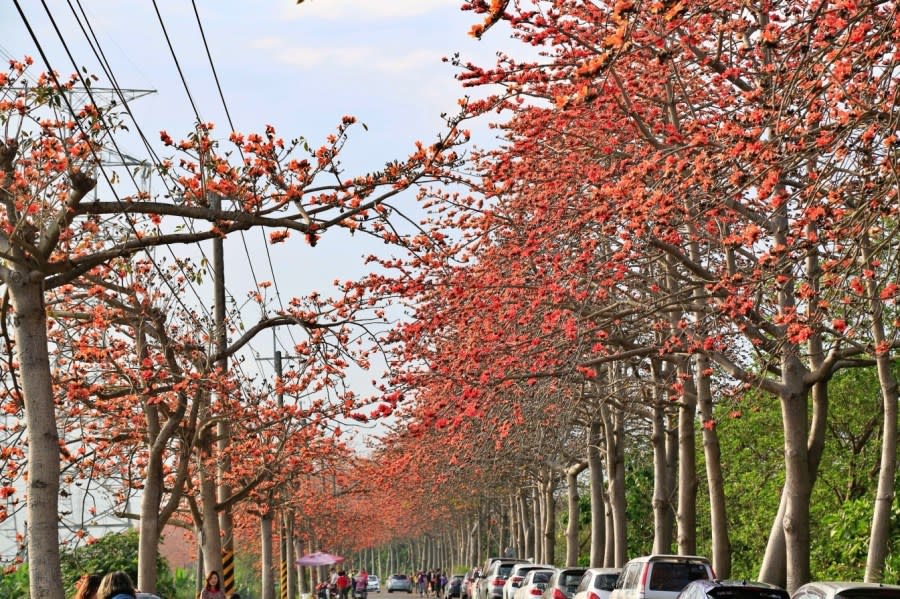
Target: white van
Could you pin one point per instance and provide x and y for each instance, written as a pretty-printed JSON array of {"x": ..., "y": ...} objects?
[{"x": 660, "y": 576}]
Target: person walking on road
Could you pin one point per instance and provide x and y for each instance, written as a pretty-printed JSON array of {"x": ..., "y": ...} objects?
[
  {"x": 420, "y": 583},
  {"x": 343, "y": 584},
  {"x": 362, "y": 584}
]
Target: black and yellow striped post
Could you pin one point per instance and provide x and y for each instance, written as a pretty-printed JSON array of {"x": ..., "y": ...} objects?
[
  {"x": 228, "y": 572},
  {"x": 284, "y": 585}
]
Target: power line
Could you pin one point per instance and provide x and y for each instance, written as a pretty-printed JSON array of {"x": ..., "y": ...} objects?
[
  {"x": 215, "y": 74},
  {"x": 96, "y": 47}
]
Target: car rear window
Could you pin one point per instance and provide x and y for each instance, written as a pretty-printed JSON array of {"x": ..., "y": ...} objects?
[
  {"x": 747, "y": 593},
  {"x": 541, "y": 577},
  {"x": 673, "y": 576},
  {"x": 606, "y": 582},
  {"x": 399, "y": 576},
  {"x": 504, "y": 570},
  {"x": 570, "y": 581}
]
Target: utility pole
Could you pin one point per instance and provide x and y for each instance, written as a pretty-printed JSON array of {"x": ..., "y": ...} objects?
[
  {"x": 226, "y": 523},
  {"x": 289, "y": 573}
]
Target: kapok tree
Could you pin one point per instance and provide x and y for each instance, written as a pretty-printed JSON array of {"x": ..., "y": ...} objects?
[
  {"x": 746, "y": 132},
  {"x": 49, "y": 235}
]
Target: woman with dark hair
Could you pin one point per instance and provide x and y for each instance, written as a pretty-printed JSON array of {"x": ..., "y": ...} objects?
[
  {"x": 116, "y": 585},
  {"x": 87, "y": 587},
  {"x": 213, "y": 588}
]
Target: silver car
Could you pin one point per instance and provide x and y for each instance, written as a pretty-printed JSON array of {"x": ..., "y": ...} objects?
[
  {"x": 847, "y": 590},
  {"x": 399, "y": 582},
  {"x": 490, "y": 584}
]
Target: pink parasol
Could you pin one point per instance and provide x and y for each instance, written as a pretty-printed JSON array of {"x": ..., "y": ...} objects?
[{"x": 319, "y": 558}]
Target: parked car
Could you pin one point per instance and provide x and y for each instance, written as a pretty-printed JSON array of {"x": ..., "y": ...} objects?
[
  {"x": 454, "y": 587},
  {"x": 847, "y": 590},
  {"x": 373, "y": 585},
  {"x": 732, "y": 589},
  {"x": 563, "y": 583},
  {"x": 535, "y": 584},
  {"x": 597, "y": 583},
  {"x": 490, "y": 584},
  {"x": 517, "y": 576},
  {"x": 660, "y": 576},
  {"x": 399, "y": 582}
]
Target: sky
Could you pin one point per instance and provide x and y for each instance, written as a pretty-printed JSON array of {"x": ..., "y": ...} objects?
[{"x": 297, "y": 67}]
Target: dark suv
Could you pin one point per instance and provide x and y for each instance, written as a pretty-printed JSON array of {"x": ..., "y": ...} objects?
[{"x": 490, "y": 585}]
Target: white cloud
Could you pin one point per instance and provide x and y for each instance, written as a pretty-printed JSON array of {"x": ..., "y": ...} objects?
[
  {"x": 368, "y": 57},
  {"x": 381, "y": 9}
]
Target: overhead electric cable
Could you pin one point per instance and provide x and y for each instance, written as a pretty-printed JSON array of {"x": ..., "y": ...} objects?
[
  {"x": 215, "y": 74},
  {"x": 96, "y": 47}
]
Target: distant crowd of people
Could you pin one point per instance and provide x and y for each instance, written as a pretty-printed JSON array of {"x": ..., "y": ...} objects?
[
  {"x": 430, "y": 583},
  {"x": 118, "y": 585}
]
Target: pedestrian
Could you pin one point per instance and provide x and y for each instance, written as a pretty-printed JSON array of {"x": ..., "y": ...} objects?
[
  {"x": 362, "y": 584},
  {"x": 87, "y": 587},
  {"x": 343, "y": 584},
  {"x": 213, "y": 588},
  {"x": 332, "y": 583},
  {"x": 116, "y": 585},
  {"x": 420, "y": 583}
]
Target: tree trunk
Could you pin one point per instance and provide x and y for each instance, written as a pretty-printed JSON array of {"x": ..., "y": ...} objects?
[
  {"x": 549, "y": 514},
  {"x": 721, "y": 545},
  {"x": 774, "y": 565},
  {"x": 472, "y": 555},
  {"x": 662, "y": 506},
  {"x": 268, "y": 563},
  {"x": 537, "y": 523},
  {"x": 290, "y": 557},
  {"x": 212, "y": 539},
  {"x": 884, "y": 495},
  {"x": 198, "y": 569},
  {"x": 687, "y": 465},
  {"x": 614, "y": 432},
  {"x": 598, "y": 504},
  {"x": 797, "y": 486},
  {"x": 30, "y": 324},
  {"x": 149, "y": 525},
  {"x": 572, "y": 544},
  {"x": 526, "y": 527}
]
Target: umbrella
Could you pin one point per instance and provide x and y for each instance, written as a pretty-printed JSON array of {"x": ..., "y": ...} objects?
[{"x": 319, "y": 558}]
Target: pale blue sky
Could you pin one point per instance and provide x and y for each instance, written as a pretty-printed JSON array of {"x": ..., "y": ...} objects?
[{"x": 299, "y": 68}]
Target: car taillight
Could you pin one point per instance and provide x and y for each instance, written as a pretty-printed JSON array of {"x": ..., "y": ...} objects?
[
  {"x": 499, "y": 582},
  {"x": 593, "y": 595},
  {"x": 558, "y": 594},
  {"x": 516, "y": 580},
  {"x": 644, "y": 573}
]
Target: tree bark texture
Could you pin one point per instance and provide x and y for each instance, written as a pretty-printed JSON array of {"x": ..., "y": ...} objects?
[
  {"x": 30, "y": 324},
  {"x": 721, "y": 545},
  {"x": 614, "y": 431},
  {"x": 879, "y": 536},
  {"x": 598, "y": 502},
  {"x": 572, "y": 544},
  {"x": 266, "y": 557}
]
